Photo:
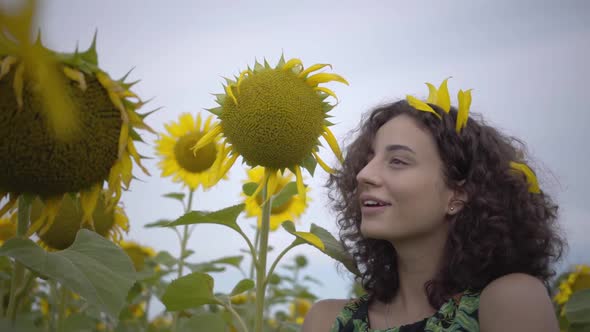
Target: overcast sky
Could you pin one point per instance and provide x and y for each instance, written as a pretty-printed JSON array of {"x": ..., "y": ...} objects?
[{"x": 527, "y": 62}]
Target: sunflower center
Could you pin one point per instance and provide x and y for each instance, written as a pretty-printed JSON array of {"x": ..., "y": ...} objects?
[
  {"x": 200, "y": 162},
  {"x": 34, "y": 161},
  {"x": 277, "y": 120},
  {"x": 62, "y": 232}
]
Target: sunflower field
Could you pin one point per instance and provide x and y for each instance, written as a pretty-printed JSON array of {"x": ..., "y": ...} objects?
[{"x": 68, "y": 154}]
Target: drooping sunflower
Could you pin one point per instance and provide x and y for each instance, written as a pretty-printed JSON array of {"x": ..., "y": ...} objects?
[
  {"x": 137, "y": 253},
  {"x": 290, "y": 209},
  {"x": 576, "y": 280},
  {"x": 109, "y": 222},
  {"x": 43, "y": 154},
  {"x": 274, "y": 118},
  {"x": 193, "y": 170}
]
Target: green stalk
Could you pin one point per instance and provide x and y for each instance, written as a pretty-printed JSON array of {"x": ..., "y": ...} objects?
[
  {"x": 262, "y": 253},
  {"x": 183, "y": 243},
  {"x": 24, "y": 212},
  {"x": 62, "y": 306}
]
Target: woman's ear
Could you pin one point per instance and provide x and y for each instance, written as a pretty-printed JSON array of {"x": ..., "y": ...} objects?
[{"x": 458, "y": 199}]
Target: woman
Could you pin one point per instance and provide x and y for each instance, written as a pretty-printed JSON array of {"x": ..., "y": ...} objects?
[{"x": 446, "y": 223}]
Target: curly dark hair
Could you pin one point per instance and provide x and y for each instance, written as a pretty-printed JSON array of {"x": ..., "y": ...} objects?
[{"x": 503, "y": 228}]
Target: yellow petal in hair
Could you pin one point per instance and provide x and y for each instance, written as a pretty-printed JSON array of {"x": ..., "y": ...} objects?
[
  {"x": 421, "y": 106},
  {"x": 530, "y": 176},
  {"x": 464, "y": 104},
  {"x": 443, "y": 99}
]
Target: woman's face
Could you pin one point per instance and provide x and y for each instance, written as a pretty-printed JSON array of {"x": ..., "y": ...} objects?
[{"x": 402, "y": 191}]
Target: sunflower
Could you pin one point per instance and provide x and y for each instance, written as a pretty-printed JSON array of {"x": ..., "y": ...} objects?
[
  {"x": 576, "y": 280},
  {"x": 290, "y": 209},
  {"x": 137, "y": 253},
  {"x": 7, "y": 229},
  {"x": 299, "y": 308},
  {"x": 35, "y": 154},
  {"x": 274, "y": 118},
  {"x": 178, "y": 161},
  {"x": 108, "y": 222}
]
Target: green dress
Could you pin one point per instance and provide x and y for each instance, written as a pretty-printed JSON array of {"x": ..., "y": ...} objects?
[{"x": 458, "y": 314}]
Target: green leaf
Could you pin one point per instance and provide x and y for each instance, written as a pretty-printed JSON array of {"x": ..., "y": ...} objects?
[
  {"x": 242, "y": 286},
  {"x": 249, "y": 188},
  {"x": 230, "y": 260},
  {"x": 334, "y": 249},
  {"x": 204, "y": 321},
  {"x": 79, "y": 323},
  {"x": 164, "y": 258},
  {"x": 92, "y": 266},
  {"x": 577, "y": 309},
  {"x": 303, "y": 237},
  {"x": 190, "y": 291},
  {"x": 205, "y": 267},
  {"x": 159, "y": 223},
  {"x": 309, "y": 163},
  {"x": 176, "y": 196},
  {"x": 226, "y": 217},
  {"x": 285, "y": 195},
  {"x": 23, "y": 324}
]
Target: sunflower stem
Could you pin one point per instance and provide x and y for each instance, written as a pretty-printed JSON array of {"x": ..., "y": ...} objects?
[
  {"x": 238, "y": 317},
  {"x": 277, "y": 260},
  {"x": 183, "y": 243},
  {"x": 24, "y": 212},
  {"x": 262, "y": 253},
  {"x": 61, "y": 312}
]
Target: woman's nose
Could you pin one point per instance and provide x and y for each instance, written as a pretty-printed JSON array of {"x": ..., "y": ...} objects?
[{"x": 367, "y": 175}]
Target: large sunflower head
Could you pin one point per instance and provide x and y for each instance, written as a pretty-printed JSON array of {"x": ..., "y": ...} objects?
[
  {"x": 178, "y": 160},
  {"x": 274, "y": 117},
  {"x": 289, "y": 208},
  {"x": 109, "y": 222},
  {"x": 35, "y": 155}
]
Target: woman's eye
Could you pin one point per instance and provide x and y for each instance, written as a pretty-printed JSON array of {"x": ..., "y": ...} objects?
[{"x": 396, "y": 161}]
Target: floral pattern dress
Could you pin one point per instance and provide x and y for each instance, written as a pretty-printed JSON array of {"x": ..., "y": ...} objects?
[{"x": 459, "y": 314}]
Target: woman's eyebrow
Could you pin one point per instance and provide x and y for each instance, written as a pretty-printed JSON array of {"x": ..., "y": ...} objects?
[{"x": 397, "y": 147}]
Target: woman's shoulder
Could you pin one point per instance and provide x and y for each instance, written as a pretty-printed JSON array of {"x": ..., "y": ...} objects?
[
  {"x": 322, "y": 314},
  {"x": 517, "y": 300}
]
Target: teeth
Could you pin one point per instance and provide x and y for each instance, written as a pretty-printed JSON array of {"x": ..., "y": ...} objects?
[{"x": 372, "y": 203}]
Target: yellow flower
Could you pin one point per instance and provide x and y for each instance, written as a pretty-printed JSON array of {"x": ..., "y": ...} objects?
[
  {"x": 274, "y": 118},
  {"x": 178, "y": 160},
  {"x": 291, "y": 209},
  {"x": 47, "y": 156},
  {"x": 108, "y": 222},
  {"x": 577, "y": 280},
  {"x": 299, "y": 308},
  {"x": 7, "y": 229},
  {"x": 137, "y": 253}
]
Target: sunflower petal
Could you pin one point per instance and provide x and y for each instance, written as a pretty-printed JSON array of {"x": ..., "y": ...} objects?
[
  {"x": 316, "y": 79},
  {"x": 230, "y": 93},
  {"x": 6, "y": 64},
  {"x": 8, "y": 205},
  {"x": 323, "y": 164},
  {"x": 326, "y": 90},
  {"x": 207, "y": 138},
  {"x": 333, "y": 143},
  {"x": 313, "y": 68},
  {"x": 442, "y": 97},
  {"x": 300, "y": 186},
  {"x": 226, "y": 167},
  {"x": 432, "y": 94},
  {"x": 292, "y": 63},
  {"x": 463, "y": 112},
  {"x": 77, "y": 76},
  {"x": 421, "y": 106},
  {"x": 88, "y": 200},
  {"x": 241, "y": 78},
  {"x": 47, "y": 217},
  {"x": 530, "y": 176},
  {"x": 18, "y": 84}
]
